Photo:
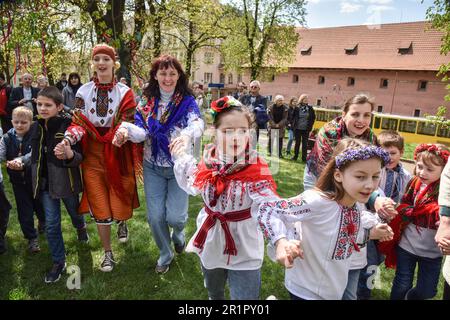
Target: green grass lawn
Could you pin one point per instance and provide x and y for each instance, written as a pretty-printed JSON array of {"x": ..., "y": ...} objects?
[{"x": 22, "y": 274}]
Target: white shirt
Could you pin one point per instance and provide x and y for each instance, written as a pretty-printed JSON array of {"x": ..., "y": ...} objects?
[
  {"x": 323, "y": 272},
  {"x": 247, "y": 235}
]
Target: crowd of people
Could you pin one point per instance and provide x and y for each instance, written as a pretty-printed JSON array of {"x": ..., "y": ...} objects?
[{"x": 86, "y": 145}]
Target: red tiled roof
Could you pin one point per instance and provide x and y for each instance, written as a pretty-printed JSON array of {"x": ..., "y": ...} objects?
[{"x": 378, "y": 47}]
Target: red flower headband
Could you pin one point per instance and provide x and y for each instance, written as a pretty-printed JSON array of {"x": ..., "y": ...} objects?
[
  {"x": 221, "y": 104},
  {"x": 432, "y": 148}
]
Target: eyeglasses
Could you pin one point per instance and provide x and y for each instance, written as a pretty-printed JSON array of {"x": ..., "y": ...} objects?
[{"x": 254, "y": 87}]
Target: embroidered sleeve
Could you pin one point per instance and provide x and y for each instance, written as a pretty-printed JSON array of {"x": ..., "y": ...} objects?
[
  {"x": 368, "y": 221},
  {"x": 195, "y": 126},
  {"x": 184, "y": 170},
  {"x": 74, "y": 133},
  {"x": 79, "y": 103},
  {"x": 135, "y": 133},
  {"x": 274, "y": 217}
]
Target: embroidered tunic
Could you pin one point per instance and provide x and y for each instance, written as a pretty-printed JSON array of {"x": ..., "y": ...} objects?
[
  {"x": 328, "y": 233},
  {"x": 246, "y": 234}
]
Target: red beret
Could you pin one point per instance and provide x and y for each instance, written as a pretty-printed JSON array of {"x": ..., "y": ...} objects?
[{"x": 105, "y": 49}]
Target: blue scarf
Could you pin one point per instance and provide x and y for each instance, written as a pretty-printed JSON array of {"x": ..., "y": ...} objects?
[{"x": 176, "y": 115}]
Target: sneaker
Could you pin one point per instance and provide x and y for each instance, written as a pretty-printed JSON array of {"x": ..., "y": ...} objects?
[
  {"x": 162, "y": 269},
  {"x": 108, "y": 262},
  {"x": 122, "y": 232},
  {"x": 2, "y": 245},
  {"x": 82, "y": 235},
  {"x": 41, "y": 227},
  {"x": 33, "y": 246},
  {"x": 55, "y": 274},
  {"x": 179, "y": 248}
]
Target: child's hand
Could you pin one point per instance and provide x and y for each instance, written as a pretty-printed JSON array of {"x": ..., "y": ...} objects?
[
  {"x": 385, "y": 208},
  {"x": 296, "y": 249},
  {"x": 381, "y": 232},
  {"x": 15, "y": 164},
  {"x": 63, "y": 150},
  {"x": 179, "y": 146},
  {"x": 287, "y": 251},
  {"x": 120, "y": 137}
]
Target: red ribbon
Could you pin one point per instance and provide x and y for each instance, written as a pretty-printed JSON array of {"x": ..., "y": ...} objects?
[{"x": 210, "y": 221}]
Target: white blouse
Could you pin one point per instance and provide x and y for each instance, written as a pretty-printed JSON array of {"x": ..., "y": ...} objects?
[
  {"x": 246, "y": 233},
  {"x": 326, "y": 242}
]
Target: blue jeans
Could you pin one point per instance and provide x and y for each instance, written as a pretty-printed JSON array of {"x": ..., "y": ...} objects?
[
  {"x": 427, "y": 276},
  {"x": 52, "y": 209},
  {"x": 167, "y": 206},
  {"x": 290, "y": 140},
  {"x": 352, "y": 285},
  {"x": 374, "y": 259},
  {"x": 243, "y": 284}
]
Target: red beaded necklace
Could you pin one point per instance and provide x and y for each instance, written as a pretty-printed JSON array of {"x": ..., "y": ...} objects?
[{"x": 104, "y": 86}]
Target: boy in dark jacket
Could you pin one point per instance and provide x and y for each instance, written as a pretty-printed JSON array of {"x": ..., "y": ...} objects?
[
  {"x": 55, "y": 174},
  {"x": 14, "y": 147}
]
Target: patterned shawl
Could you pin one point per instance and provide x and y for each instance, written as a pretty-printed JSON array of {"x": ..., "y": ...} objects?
[
  {"x": 176, "y": 114},
  {"x": 327, "y": 139},
  {"x": 419, "y": 207}
]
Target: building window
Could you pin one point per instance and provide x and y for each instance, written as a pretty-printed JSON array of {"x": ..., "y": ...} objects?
[
  {"x": 405, "y": 47},
  {"x": 306, "y": 51},
  {"x": 209, "y": 57},
  {"x": 352, "y": 49},
  {"x": 207, "y": 77},
  {"x": 222, "y": 78},
  {"x": 384, "y": 83},
  {"x": 321, "y": 80},
  {"x": 230, "y": 79},
  {"x": 422, "y": 85},
  {"x": 380, "y": 109},
  {"x": 319, "y": 102},
  {"x": 350, "y": 81},
  {"x": 239, "y": 79},
  {"x": 416, "y": 112},
  {"x": 295, "y": 78}
]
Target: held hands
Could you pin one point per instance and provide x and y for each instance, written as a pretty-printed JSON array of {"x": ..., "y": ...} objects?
[
  {"x": 442, "y": 237},
  {"x": 287, "y": 251},
  {"x": 15, "y": 164},
  {"x": 179, "y": 146},
  {"x": 381, "y": 232},
  {"x": 120, "y": 137},
  {"x": 385, "y": 208},
  {"x": 63, "y": 150}
]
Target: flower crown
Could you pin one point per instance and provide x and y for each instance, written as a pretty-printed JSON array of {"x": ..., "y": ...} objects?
[
  {"x": 362, "y": 153},
  {"x": 222, "y": 104},
  {"x": 432, "y": 148}
]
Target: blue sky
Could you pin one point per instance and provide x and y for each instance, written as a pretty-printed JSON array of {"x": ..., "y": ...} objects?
[{"x": 333, "y": 13}]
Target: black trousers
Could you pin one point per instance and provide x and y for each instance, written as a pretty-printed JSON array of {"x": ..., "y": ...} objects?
[
  {"x": 301, "y": 136},
  {"x": 446, "y": 295},
  {"x": 5, "y": 207},
  {"x": 26, "y": 207}
]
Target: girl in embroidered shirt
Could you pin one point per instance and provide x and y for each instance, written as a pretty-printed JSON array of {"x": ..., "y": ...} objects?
[
  {"x": 233, "y": 180},
  {"x": 415, "y": 227},
  {"x": 330, "y": 222}
]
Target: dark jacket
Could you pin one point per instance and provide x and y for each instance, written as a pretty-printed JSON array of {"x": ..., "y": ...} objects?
[
  {"x": 259, "y": 108},
  {"x": 64, "y": 178},
  {"x": 290, "y": 118},
  {"x": 281, "y": 125},
  {"x": 311, "y": 117},
  {"x": 60, "y": 85},
  {"x": 16, "y": 96},
  {"x": 15, "y": 149}
]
